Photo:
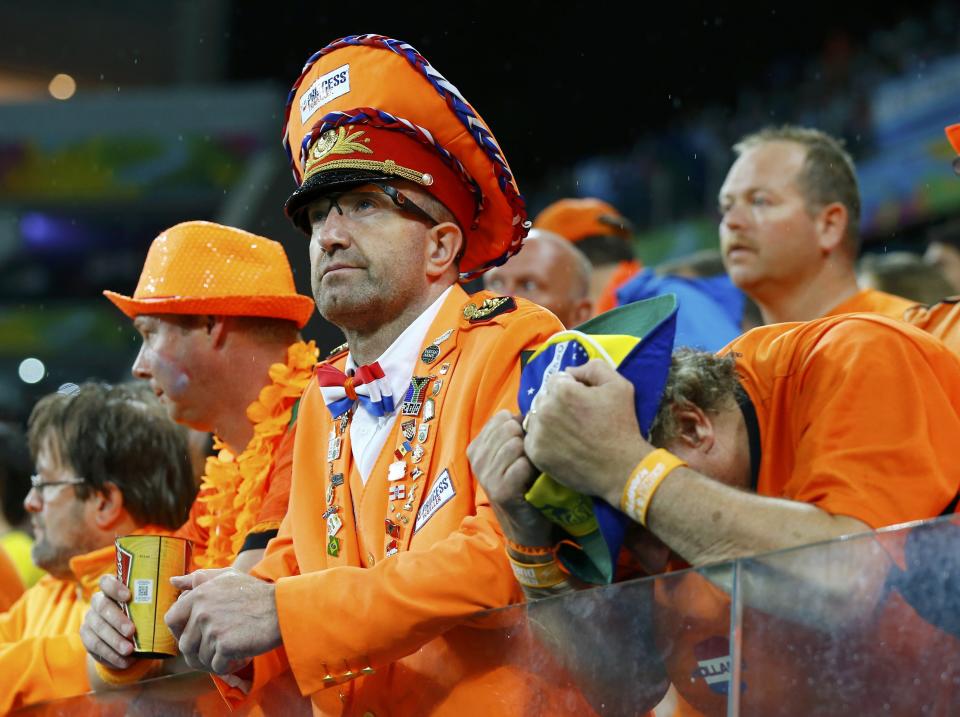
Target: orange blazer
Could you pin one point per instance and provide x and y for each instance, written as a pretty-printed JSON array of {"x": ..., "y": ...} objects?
[{"x": 366, "y": 632}]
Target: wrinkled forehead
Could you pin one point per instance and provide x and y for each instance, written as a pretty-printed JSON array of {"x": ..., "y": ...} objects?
[{"x": 767, "y": 165}]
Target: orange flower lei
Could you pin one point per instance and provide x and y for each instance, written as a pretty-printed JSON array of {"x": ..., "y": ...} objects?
[{"x": 233, "y": 487}]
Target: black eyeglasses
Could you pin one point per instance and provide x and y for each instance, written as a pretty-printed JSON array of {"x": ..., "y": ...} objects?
[{"x": 401, "y": 200}]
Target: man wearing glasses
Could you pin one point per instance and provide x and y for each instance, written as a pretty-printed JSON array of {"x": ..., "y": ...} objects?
[
  {"x": 388, "y": 544},
  {"x": 109, "y": 462}
]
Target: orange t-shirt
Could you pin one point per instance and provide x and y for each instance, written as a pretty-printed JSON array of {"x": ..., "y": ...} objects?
[
  {"x": 845, "y": 409},
  {"x": 272, "y": 509},
  {"x": 608, "y": 299},
  {"x": 844, "y": 406},
  {"x": 11, "y": 586},
  {"x": 941, "y": 320},
  {"x": 872, "y": 301}
]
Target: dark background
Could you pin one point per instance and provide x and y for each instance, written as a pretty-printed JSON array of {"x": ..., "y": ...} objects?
[{"x": 560, "y": 84}]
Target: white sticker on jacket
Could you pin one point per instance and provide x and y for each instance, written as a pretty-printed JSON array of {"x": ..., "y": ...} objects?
[
  {"x": 324, "y": 89},
  {"x": 439, "y": 495}
]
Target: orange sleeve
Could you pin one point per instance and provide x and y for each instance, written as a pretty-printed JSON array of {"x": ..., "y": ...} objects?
[
  {"x": 876, "y": 418},
  {"x": 11, "y": 587},
  {"x": 37, "y": 669},
  {"x": 941, "y": 320}
]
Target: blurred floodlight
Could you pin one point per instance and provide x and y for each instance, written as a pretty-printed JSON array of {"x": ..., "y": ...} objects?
[
  {"x": 31, "y": 370},
  {"x": 62, "y": 86}
]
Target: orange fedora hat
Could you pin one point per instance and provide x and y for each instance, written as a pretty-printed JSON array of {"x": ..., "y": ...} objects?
[
  {"x": 206, "y": 268},
  {"x": 577, "y": 219},
  {"x": 371, "y": 108}
]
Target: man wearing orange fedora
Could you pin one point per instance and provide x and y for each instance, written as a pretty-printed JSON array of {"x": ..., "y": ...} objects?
[
  {"x": 604, "y": 235},
  {"x": 388, "y": 545},
  {"x": 220, "y": 318}
]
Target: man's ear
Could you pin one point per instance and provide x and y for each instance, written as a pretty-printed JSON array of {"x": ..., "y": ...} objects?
[
  {"x": 444, "y": 242},
  {"x": 217, "y": 330},
  {"x": 831, "y": 226},
  {"x": 695, "y": 428},
  {"x": 583, "y": 310},
  {"x": 108, "y": 506}
]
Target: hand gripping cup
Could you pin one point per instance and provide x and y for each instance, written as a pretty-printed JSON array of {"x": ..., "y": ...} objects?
[{"x": 145, "y": 564}]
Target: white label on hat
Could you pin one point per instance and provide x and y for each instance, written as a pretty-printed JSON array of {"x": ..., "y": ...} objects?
[{"x": 324, "y": 89}]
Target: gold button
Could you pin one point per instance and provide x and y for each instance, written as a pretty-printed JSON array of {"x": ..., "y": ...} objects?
[
  {"x": 369, "y": 714},
  {"x": 370, "y": 559}
]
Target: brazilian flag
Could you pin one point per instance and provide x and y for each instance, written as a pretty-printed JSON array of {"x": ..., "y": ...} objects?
[{"x": 637, "y": 339}]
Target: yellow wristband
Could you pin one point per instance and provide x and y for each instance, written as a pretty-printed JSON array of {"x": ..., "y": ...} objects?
[
  {"x": 136, "y": 672},
  {"x": 528, "y": 550},
  {"x": 644, "y": 481},
  {"x": 537, "y": 575}
]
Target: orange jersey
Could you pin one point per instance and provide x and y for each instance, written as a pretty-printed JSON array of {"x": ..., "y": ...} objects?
[
  {"x": 856, "y": 414},
  {"x": 11, "y": 586},
  {"x": 41, "y": 656},
  {"x": 941, "y": 320},
  {"x": 845, "y": 406},
  {"x": 872, "y": 301},
  {"x": 367, "y": 631},
  {"x": 271, "y": 512}
]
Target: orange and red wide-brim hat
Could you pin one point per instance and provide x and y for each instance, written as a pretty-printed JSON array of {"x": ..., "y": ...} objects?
[
  {"x": 206, "y": 268},
  {"x": 368, "y": 108}
]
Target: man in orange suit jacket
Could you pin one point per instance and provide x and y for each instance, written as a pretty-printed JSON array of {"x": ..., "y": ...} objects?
[{"x": 388, "y": 545}]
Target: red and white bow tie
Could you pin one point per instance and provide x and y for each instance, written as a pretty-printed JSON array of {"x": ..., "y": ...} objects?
[{"x": 368, "y": 385}]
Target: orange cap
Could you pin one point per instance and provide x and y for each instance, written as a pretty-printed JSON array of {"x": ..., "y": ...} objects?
[
  {"x": 577, "y": 219},
  {"x": 383, "y": 87},
  {"x": 206, "y": 268}
]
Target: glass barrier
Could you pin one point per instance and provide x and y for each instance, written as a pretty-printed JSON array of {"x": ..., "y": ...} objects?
[
  {"x": 868, "y": 625},
  {"x": 865, "y": 625}
]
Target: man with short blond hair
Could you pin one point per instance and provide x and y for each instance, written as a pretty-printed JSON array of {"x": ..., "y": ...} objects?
[
  {"x": 789, "y": 230},
  {"x": 220, "y": 317}
]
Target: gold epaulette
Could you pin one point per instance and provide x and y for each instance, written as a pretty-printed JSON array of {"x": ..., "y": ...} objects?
[
  {"x": 341, "y": 349},
  {"x": 489, "y": 309}
]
